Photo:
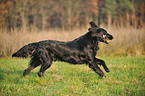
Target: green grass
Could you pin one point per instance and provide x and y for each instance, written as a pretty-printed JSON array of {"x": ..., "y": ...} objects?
[{"x": 127, "y": 78}]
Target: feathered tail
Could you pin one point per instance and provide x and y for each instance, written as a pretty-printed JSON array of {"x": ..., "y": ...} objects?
[{"x": 26, "y": 50}]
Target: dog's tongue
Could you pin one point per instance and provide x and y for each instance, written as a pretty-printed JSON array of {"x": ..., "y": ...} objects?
[{"x": 104, "y": 37}]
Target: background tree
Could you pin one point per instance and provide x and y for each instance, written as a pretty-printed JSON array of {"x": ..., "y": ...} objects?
[
  {"x": 69, "y": 14},
  {"x": 109, "y": 11}
]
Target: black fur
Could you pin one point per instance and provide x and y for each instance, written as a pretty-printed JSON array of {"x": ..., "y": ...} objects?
[{"x": 79, "y": 51}]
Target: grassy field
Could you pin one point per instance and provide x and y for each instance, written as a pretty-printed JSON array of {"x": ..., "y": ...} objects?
[{"x": 127, "y": 78}]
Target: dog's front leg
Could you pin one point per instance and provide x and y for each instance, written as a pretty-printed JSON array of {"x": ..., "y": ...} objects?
[
  {"x": 96, "y": 68},
  {"x": 102, "y": 62}
]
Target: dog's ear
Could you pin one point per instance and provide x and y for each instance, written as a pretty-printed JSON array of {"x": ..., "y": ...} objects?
[
  {"x": 90, "y": 29},
  {"x": 93, "y": 29},
  {"x": 92, "y": 23}
]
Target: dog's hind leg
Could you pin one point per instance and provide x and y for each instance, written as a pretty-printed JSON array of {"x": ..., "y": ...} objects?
[
  {"x": 31, "y": 66},
  {"x": 46, "y": 60},
  {"x": 101, "y": 62},
  {"x": 35, "y": 61},
  {"x": 43, "y": 68}
]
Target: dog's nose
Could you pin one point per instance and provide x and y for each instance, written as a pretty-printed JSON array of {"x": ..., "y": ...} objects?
[{"x": 111, "y": 37}]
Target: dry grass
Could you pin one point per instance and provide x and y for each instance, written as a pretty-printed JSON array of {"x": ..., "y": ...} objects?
[{"x": 127, "y": 42}]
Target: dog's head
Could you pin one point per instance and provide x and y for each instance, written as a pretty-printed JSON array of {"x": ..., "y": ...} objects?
[{"x": 100, "y": 33}]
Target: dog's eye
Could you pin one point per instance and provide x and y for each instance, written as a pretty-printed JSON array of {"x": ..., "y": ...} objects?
[
  {"x": 98, "y": 31},
  {"x": 104, "y": 33}
]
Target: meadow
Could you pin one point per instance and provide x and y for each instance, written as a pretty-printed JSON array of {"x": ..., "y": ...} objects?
[{"x": 125, "y": 79}]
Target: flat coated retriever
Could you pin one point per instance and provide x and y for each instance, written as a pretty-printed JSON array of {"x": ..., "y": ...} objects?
[{"x": 82, "y": 50}]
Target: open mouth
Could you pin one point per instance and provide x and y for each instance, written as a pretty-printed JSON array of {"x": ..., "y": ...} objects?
[{"x": 106, "y": 40}]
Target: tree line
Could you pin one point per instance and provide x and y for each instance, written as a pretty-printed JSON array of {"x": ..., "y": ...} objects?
[{"x": 70, "y": 14}]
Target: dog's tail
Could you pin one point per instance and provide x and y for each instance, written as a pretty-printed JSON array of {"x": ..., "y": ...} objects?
[{"x": 26, "y": 50}]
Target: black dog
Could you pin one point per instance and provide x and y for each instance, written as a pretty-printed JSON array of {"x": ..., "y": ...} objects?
[{"x": 79, "y": 51}]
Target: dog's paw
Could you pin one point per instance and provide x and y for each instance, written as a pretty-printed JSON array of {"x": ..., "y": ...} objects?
[
  {"x": 40, "y": 74},
  {"x": 107, "y": 70}
]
